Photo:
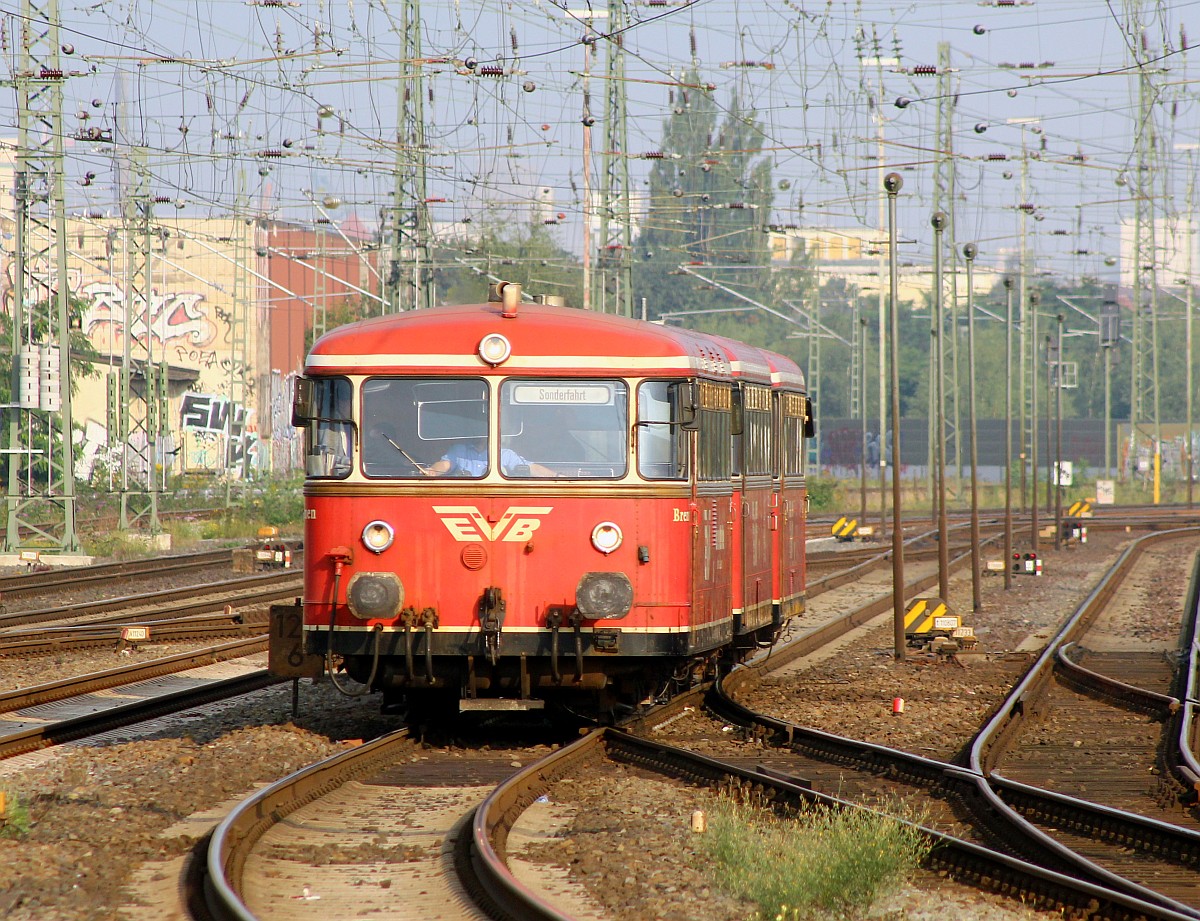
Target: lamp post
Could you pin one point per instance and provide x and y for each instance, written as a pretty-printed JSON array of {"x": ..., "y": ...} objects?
[
  {"x": 1033, "y": 421},
  {"x": 938, "y": 222},
  {"x": 892, "y": 183},
  {"x": 969, "y": 251},
  {"x": 1008, "y": 438},
  {"x": 1058, "y": 459}
]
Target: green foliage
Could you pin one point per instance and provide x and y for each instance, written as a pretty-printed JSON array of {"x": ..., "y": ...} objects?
[
  {"x": 526, "y": 254},
  {"x": 78, "y": 365},
  {"x": 822, "y": 494},
  {"x": 820, "y": 862},
  {"x": 16, "y": 821}
]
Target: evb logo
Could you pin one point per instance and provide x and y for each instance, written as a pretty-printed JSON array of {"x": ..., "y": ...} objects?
[{"x": 466, "y": 523}]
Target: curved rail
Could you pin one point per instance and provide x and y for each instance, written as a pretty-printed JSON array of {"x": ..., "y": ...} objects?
[{"x": 233, "y": 839}]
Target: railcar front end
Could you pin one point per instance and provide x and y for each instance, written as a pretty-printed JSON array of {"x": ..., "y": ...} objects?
[{"x": 507, "y": 507}]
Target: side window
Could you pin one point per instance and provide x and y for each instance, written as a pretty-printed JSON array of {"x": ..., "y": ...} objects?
[
  {"x": 716, "y": 424},
  {"x": 756, "y": 428},
  {"x": 794, "y": 416},
  {"x": 661, "y": 439},
  {"x": 329, "y": 439}
]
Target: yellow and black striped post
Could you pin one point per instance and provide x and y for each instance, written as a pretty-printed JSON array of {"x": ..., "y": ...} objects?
[
  {"x": 925, "y": 615},
  {"x": 845, "y": 528}
]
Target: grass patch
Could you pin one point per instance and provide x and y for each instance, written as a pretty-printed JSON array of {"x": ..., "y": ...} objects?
[
  {"x": 15, "y": 821},
  {"x": 819, "y": 863}
]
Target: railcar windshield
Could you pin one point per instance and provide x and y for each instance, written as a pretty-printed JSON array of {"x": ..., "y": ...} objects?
[
  {"x": 571, "y": 428},
  {"x": 417, "y": 427}
]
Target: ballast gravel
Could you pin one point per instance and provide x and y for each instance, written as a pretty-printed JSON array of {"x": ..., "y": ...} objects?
[{"x": 97, "y": 812}]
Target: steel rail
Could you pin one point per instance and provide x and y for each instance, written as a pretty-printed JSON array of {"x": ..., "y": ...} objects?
[
  {"x": 127, "y": 714},
  {"x": 19, "y": 698},
  {"x": 269, "y": 587},
  {"x": 99, "y": 572},
  {"x": 235, "y": 836},
  {"x": 201, "y": 626},
  {"x": 497, "y": 814}
]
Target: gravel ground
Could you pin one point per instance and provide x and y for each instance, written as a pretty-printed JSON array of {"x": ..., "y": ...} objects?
[{"x": 98, "y": 811}]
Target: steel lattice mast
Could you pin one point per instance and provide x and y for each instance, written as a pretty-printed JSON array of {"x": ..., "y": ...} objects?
[
  {"x": 612, "y": 284},
  {"x": 409, "y": 281},
  {"x": 1143, "y": 402},
  {"x": 139, "y": 424},
  {"x": 41, "y": 480},
  {"x": 944, "y": 198}
]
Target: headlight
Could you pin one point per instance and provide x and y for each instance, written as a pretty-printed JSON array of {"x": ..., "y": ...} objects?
[
  {"x": 606, "y": 537},
  {"x": 494, "y": 349},
  {"x": 604, "y": 595},
  {"x": 374, "y": 595},
  {"x": 378, "y": 536}
]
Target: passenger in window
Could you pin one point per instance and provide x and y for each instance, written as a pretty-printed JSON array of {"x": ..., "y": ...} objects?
[{"x": 469, "y": 459}]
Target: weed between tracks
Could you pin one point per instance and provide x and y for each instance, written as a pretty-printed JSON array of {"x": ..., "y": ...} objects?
[
  {"x": 820, "y": 863},
  {"x": 14, "y": 816}
]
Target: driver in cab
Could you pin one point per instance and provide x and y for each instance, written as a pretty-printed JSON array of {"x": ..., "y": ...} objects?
[{"x": 469, "y": 459}]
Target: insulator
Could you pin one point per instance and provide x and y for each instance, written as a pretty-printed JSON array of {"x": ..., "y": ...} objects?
[
  {"x": 925, "y": 70},
  {"x": 652, "y": 155},
  {"x": 491, "y": 70},
  {"x": 50, "y": 395},
  {"x": 113, "y": 383},
  {"x": 29, "y": 367},
  {"x": 997, "y": 156}
]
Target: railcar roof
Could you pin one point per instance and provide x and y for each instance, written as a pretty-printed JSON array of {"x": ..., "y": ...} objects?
[{"x": 555, "y": 340}]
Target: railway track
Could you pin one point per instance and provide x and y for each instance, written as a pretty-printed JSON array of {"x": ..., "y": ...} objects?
[
  {"x": 967, "y": 844},
  {"x": 158, "y": 605},
  {"x": 14, "y": 586},
  {"x": 1112, "y": 903}
]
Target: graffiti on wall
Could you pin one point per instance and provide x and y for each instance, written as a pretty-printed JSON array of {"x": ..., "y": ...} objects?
[
  {"x": 174, "y": 315},
  {"x": 219, "y": 436},
  {"x": 286, "y": 441}
]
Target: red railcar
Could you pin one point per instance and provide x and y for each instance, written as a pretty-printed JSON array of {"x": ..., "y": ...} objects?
[{"x": 507, "y": 504}]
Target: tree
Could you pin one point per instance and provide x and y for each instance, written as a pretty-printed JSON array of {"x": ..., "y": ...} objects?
[{"x": 710, "y": 199}]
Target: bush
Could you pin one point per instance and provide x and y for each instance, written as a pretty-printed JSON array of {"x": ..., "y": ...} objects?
[
  {"x": 15, "y": 821},
  {"x": 822, "y": 494},
  {"x": 822, "y": 861}
]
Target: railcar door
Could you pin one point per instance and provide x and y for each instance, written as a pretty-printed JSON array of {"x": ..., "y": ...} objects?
[
  {"x": 757, "y": 589},
  {"x": 792, "y": 504},
  {"x": 712, "y": 557}
]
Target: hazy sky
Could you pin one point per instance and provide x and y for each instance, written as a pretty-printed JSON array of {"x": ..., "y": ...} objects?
[{"x": 208, "y": 85}]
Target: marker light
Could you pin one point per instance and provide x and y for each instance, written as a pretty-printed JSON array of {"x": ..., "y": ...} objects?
[
  {"x": 378, "y": 536},
  {"x": 494, "y": 349},
  {"x": 606, "y": 537}
]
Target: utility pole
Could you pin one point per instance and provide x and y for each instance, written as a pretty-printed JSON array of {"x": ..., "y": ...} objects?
[
  {"x": 1144, "y": 360},
  {"x": 139, "y": 422},
  {"x": 944, "y": 201},
  {"x": 613, "y": 282},
  {"x": 879, "y": 63},
  {"x": 40, "y": 317},
  {"x": 239, "y": 354},
  {"x": 939, "y": 225},
  {"x": 892, "y": 184},
  {"x": 409, "y": 282}
]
